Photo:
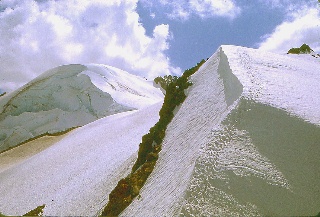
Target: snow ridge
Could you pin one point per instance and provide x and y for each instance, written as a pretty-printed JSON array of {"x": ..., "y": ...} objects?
[
  {"x": 186, "y": 133},
  {"x": 213, "y": 148},
  {"x": 70, "y": 96}
]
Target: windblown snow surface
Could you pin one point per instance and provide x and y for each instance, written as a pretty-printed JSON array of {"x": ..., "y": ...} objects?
[
  {"x": 245, "y": 142},
  {"x": 70, "y": 96}
]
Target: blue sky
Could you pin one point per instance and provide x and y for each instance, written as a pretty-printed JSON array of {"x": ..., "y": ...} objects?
[
  {"x": 196, "y": 37},
  {"x": 199, "y": 35},
  {"x": 147, "y": 38}
]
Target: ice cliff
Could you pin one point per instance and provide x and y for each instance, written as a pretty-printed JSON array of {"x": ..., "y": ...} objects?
[{"x": 70, "y": 96}]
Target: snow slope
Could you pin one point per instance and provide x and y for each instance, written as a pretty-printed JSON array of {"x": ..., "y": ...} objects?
[
  {"x": 245, "y": 142},
  {"x": 74, "y": 176},
  {"x": 70, "y": 96}
]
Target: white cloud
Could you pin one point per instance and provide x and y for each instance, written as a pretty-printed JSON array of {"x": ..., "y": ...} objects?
[
  {"x": 205, "y": 8},
  {"x": 39, "y": 35},
  {"x": 182, "y": 9},
  {"x": 302, "y": 27},
  {"x": 179, "y": 10}
]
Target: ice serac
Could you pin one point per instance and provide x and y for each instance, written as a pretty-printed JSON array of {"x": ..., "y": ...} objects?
[
  {"x": 245, "y": 142},
  {"x": 70, "y": 96}
]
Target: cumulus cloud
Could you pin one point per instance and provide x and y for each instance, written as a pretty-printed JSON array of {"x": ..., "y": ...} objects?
[
  {"x": 182, "y": 9},
  {"x": 302, "y": 26},
  {"x": 37, "y": 35}
]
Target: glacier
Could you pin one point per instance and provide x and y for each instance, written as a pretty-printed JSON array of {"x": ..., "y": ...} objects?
[
  {"x": 70, "y": 96},
  {"x": 245, "y": 142}
]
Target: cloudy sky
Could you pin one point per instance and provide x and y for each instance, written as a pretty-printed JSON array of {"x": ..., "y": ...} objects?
[{"x": 144, "y": 37}]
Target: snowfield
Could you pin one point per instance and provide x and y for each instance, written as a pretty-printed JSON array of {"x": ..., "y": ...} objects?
[
  {"x": 288, "y": 82},
  {"x": 70, "y": 96},
  {"x": 245, "y": 142}
]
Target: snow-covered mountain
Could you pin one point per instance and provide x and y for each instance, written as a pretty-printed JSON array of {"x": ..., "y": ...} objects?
[
  {"x": 70, "y": 96},
  {"x": 245, "y": 142}
]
